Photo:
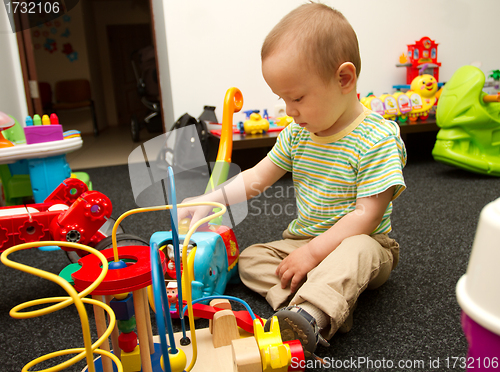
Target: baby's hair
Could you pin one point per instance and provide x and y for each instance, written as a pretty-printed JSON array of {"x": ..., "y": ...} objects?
[{"x": 321, "y": 34}]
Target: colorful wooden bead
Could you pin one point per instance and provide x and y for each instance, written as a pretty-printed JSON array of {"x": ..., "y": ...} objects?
[
  {"x": 115, "y": 265},
  {"x": 121, "y": 296},
  {"x": 177, "y": 361},
  {"x": 127, "y": 326},
  {"x": 127, "y": 341},
  {"x": 123, "y": 309}
]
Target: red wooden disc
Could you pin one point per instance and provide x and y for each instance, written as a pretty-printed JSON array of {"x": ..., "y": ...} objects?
[{"x": 135, "y": 276}]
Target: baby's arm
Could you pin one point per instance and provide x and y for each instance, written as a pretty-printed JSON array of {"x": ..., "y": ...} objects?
[
  {"x": 363, "y": 220},
  {"x": 254, "y": 181}
]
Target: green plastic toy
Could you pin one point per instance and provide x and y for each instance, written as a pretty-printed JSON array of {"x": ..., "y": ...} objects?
[
  {"x": 15, "y": 134},
  {"x": 469, "y": 119}
]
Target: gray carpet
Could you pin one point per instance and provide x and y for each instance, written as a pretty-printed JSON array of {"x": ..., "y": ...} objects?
[{"x": 412, "y": 319}]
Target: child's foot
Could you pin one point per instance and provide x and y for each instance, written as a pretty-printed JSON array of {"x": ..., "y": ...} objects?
[{"x": 297, "y": 324}]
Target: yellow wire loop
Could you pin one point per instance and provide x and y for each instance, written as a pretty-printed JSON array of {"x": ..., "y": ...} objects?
[{"x": 78, "y": 299}]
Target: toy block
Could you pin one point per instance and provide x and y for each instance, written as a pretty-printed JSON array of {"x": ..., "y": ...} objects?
[
  {"x": 124, "y": 309},
  {"x": 132, "y": 361},
  {"x": 220, "y": 303},
  {"x": 127, "y": 341},
  {"x": 224, "y": 328},
  {"x": 246, "y": 355}
]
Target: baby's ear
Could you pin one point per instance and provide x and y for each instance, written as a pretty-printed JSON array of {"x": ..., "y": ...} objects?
[{"x": 347, "y": 77}]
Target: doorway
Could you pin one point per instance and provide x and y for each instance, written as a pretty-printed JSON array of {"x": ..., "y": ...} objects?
[
  {"x": 93, "y": 41},
  {"x": 124, "y": 41}
]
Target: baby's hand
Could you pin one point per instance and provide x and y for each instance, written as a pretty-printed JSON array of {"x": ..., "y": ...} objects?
[
  {"x": 195, "y": 213},
  {"x": 294, "y": 268}
]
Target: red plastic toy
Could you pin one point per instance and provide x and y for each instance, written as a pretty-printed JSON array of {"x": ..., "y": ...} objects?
[
  {"x": 421, "y": 58},
  {"x": 70, "y": 213}
]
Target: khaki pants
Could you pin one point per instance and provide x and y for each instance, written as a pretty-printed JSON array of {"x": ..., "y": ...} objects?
[{"x": 333, "y": 286}]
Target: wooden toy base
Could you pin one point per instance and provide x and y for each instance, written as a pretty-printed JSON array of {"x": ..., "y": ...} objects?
[{"x": 209, "y": 359}]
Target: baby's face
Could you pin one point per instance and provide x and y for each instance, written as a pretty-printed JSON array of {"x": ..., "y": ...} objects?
[{"x": 312, "y": 104}]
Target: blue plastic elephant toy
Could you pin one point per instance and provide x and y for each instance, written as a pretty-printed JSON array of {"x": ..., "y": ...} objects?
[{"x": 215, "y": 263}]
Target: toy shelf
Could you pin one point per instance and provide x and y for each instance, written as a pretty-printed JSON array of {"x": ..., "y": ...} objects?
[
  {"x": 249, "y": 149},
  {"x": 251, "y": 141},
  {"x": 428, "y": 125}
]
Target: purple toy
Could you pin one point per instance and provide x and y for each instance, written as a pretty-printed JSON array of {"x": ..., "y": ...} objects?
[
  {"x": 43, "y": 133},
  {"x": 477, "y": 294}
]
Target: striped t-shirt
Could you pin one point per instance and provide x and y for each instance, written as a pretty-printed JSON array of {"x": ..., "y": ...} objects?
[{"x": 329, "y": 173}]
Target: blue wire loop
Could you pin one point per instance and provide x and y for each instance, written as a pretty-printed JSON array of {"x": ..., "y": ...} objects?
[
  {"x": 162, "y": 306},
  {"x": 161, "y": 303},
  {"x": 172, "y": 197}
]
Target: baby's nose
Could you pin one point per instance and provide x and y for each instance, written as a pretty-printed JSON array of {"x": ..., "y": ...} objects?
[{"x": 290, "y": 111}]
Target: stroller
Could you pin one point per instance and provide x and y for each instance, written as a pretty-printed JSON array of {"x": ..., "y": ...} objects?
[{"x": 144, "y": 65}]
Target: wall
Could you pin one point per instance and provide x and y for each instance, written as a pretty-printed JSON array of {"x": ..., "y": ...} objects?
[
  {"x": 213, "y": 45},
  {"x": 12, "y": 95},
  {"x": 207, "y": 47},
  {"x": 60, "y": 48}
]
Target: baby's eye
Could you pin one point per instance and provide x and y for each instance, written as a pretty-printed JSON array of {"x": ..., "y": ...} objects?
[{"x": 298, "y": 99}]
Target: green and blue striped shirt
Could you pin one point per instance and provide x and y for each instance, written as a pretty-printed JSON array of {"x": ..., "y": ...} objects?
[{"x": 330, "y": 173}]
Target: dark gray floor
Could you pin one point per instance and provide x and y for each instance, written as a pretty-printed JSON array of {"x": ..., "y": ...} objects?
[{"x": 413, "y": 319}]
